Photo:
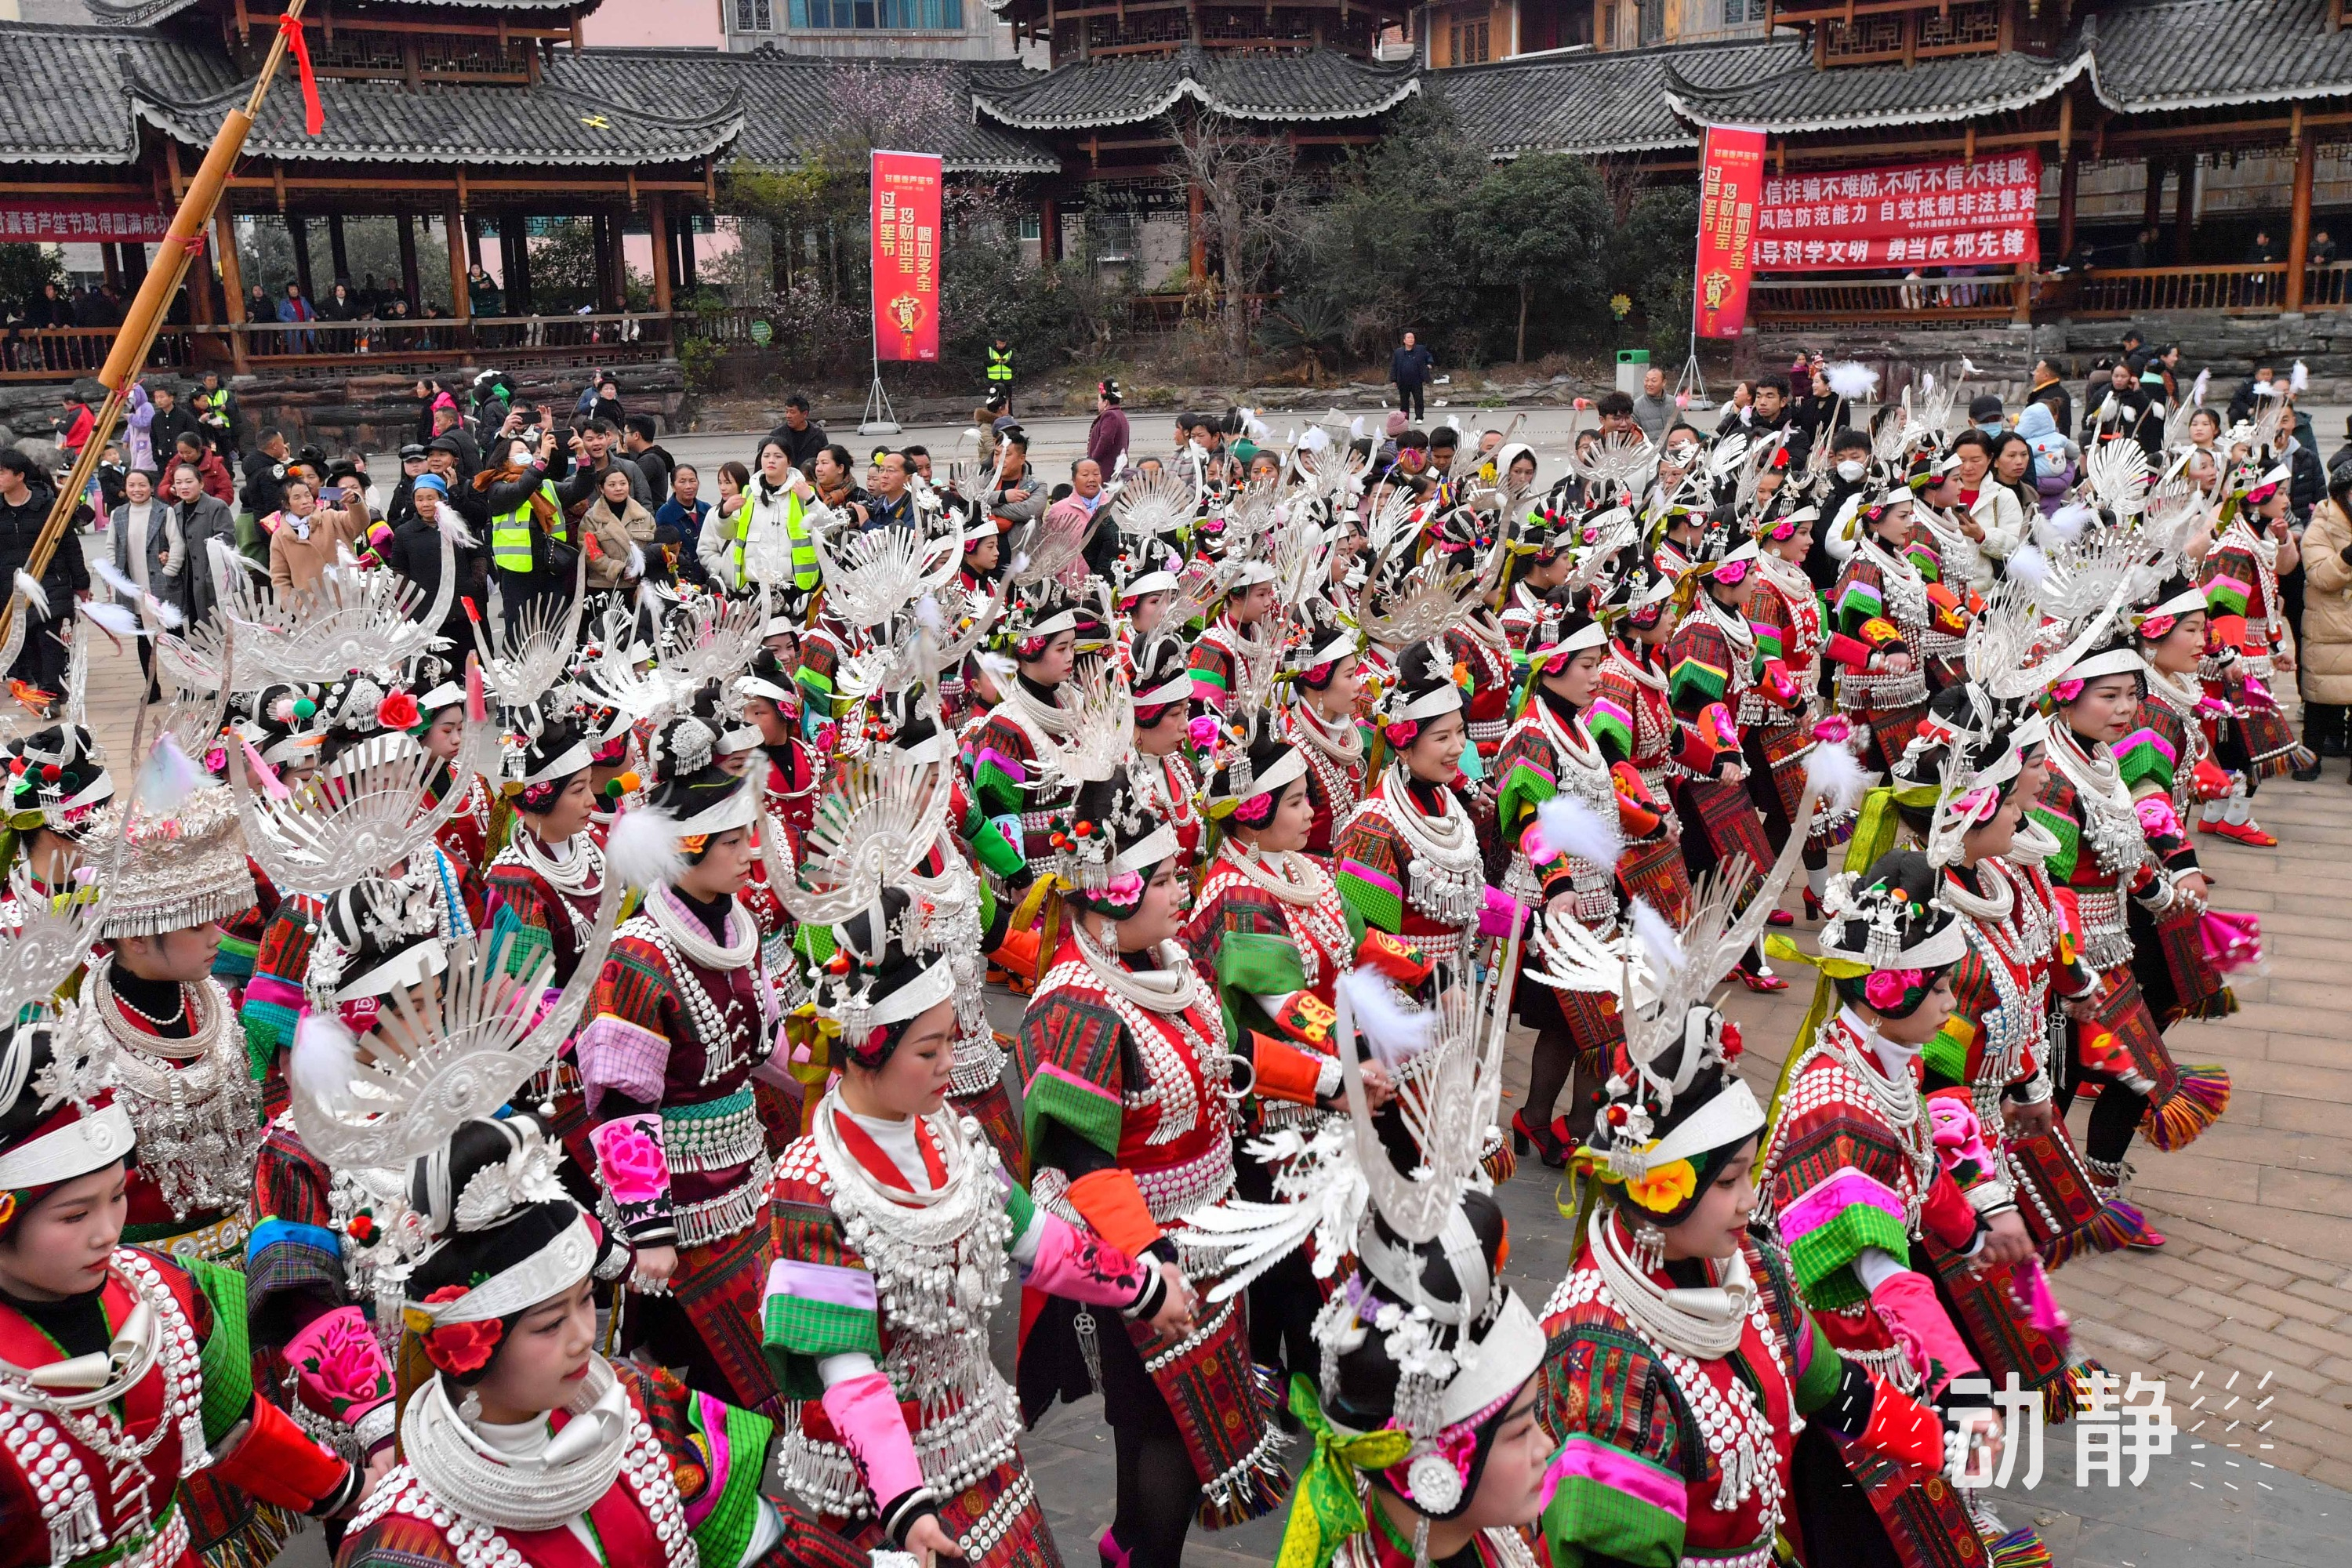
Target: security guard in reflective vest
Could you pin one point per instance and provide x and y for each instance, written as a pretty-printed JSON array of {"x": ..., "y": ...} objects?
[
  {"x": 1000, "y": 371},
  {"x": 519, "y": 553}
]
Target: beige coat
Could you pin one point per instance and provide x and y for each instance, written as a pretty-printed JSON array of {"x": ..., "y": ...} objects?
[
  {"x": 295, "y": 563},
  {"x": 2326, "y": 653},
  {"x": 614, "y": 536}
]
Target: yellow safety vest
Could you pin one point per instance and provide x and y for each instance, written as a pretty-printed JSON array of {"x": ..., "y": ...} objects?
[
  {"x": 805, "y": 574},
  {"x": 511, "y": 532},
  {"x": 1000, "y": 364}
]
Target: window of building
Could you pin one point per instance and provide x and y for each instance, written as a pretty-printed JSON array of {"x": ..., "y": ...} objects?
[
  {"x": 1467, "y": 42},
  {"x": 754, "y": 17},
  {"x": 867, "y": 15},
  {"x": 1739, "y": 13}
]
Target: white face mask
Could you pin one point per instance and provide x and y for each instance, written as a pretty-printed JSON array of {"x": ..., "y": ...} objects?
[{"x": 1851, "y": 470}]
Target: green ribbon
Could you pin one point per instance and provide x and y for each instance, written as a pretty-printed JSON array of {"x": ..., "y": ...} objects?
[{"x": 1326, "y": 1508}]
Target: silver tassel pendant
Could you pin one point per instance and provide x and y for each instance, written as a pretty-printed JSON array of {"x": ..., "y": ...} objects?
[{"x": 1089, "y": 1347}]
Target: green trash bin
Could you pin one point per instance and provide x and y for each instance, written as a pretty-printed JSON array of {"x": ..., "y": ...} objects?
[{"x": 1632, "y": 364}]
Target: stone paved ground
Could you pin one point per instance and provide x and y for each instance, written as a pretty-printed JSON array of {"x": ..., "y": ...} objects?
[{"x": 2248, "y": 1312}]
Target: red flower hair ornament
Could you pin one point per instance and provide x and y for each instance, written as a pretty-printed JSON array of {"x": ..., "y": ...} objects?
[{"x": 458, "y": 1348}]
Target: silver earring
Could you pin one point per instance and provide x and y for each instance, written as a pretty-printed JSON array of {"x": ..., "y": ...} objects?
[
  {"x": 469, "y": 1409},
  {"x": 1649, "y": 1248},
  {"x": 1109, "y": 938}
]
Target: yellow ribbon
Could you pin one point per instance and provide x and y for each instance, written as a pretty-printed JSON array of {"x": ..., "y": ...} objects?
[{"x": 1328, "y": 1508}]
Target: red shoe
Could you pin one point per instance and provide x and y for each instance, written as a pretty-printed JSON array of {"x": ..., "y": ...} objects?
[
  {"x": 1765, "y": 981},
  {"x": 2245, "y": 833},
  {"x": 1547, "y": 1147},
  {"x": 1780, "y": 918},
  {"x": 1812, "y": 904},
  {"x": 2148, "y": 1240}
]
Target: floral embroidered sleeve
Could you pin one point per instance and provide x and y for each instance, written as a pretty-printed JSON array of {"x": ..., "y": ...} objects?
[{"x": 623, "y": 1055}]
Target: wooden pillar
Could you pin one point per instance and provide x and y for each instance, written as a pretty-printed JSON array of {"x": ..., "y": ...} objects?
[
  {"x": 2069, "y": 180},
  {"x": 473, "y": 241},
  {"x": 337, "y": 252},
  {"x": 134, "y": 263},
  {"x": 2184, "y": 208},
  {"x": 1049, "y": 232},
  {"x": 1198, "y": 231},
  {"x": 686, "y": 258},
  {"x": 461, "y": 308},
  {"x": 2298, "y": 227},
  {"x": 658, "y": 231},
  {"x": 514, "y": 255},
  {"x": 111, "y": 263},
  {"x": 2151, "y": 211},
  {"x": 231, "y": 285},
  {"x": 2021, "y": 298},
  {"x": 406, "y": 223},
  {"x": 298, "y": 234}
]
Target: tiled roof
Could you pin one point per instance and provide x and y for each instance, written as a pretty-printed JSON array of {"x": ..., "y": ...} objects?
[
  {"x": 1593, "y": 104},
  {"x": 795, "y": 103},
  {"x": 86, "y": 120},
  {"x": 2156, "y": 56},
  {"x": 552, "y": 122},
  {"x": 1311, "y": 84},
  {"x": 142, "y": 13},
  {"x": 1849, "y": 98}
]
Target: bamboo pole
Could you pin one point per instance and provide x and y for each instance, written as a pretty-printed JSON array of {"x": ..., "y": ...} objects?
[{"x": 145, "y": 315}]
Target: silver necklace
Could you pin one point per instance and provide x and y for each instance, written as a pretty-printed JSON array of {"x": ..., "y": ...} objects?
[
  {"x": 194, "y": 1105},
  {"x": 2109, "y": 821},
  {"x": 1446, "y": 880},
  {"x": 1304, "y": 888}
]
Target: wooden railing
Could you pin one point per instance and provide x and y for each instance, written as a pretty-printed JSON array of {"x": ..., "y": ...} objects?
[
  {"x": 59, "y": 354},
  {"x": 2103, "y": 292},
  {"x": 56, "y": 353},
  {"x": 1927, "y": 300}
]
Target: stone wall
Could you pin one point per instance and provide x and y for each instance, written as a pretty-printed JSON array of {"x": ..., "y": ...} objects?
[{"x": 2003, "y": 354}]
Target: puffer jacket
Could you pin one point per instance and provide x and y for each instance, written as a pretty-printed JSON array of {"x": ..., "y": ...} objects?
[{"x": 2326, "y": 658}]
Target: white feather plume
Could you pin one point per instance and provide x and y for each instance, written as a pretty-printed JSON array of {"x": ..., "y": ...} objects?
[
  {"x": 37, "y": 598},
  {"x": 2299, "y": 382},
  {"x": 1565, "y": 826},
  {"x": 1658, "y": 938},
  {"x": 1396, "y": 1030},
  {"x": 2067, "y": 523},
  {"x": 2197, "y": 388},
  {"x": 2027, "y": 564},
  {"x": 168, "y": 777},
  {"x": 452, "y": 523},
  {"x": 113, "y": 617},
  {"x": 643, "y": 849},
  {"x": 1831, "y": 772},
  {"x": 325, "y": 1062},
  {"x": 1853, "y": 382},
  {"x": 1927, "y": 383},
  {"x": 1966, "y": 369}
]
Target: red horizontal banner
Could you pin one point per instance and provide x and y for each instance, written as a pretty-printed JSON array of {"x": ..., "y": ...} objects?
[
  {"x": 67, "y": 219},
  {"x": 1952, "y": 213}
]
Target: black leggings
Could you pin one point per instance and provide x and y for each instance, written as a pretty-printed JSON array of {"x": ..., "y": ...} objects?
[
  {"x": 1159, "y": 1491},
  {"x": 2115, "y": 1116}
]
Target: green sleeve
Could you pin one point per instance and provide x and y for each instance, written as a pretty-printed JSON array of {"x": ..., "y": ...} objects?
[
  {"x": 732, "y": 1519},
  {"x": 226, "y": 1357}
]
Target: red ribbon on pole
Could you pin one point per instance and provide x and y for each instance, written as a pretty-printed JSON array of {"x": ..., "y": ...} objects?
[{"x": 314, "y": 113}]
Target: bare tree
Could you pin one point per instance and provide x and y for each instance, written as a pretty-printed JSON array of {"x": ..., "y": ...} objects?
[{"x": 1250, "y": 204}]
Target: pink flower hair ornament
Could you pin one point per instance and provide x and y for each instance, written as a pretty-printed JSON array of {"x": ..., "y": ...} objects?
[{"x": 1889, "y": 989}]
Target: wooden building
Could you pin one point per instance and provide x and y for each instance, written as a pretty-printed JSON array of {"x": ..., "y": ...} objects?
[{"x": 2168, "y": 131}]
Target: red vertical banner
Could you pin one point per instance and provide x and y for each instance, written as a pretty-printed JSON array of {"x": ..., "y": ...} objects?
[
  {"x": 905, "y": 211},
  {"x": 1731, "y": 176}
]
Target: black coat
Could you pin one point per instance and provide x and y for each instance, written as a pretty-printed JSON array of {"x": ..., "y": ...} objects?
[
  {"x": 1410, "y": 366},
  {"x": 68, "y": 573},
  {"x": 170, "y": 425},
  {"x": 416, "y": 554},
  {"x": 800, "y": 446},
  {"x": 264, "y": 484}
]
